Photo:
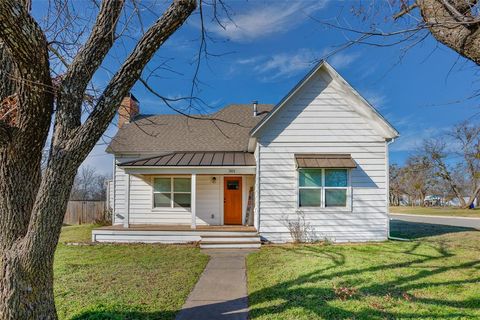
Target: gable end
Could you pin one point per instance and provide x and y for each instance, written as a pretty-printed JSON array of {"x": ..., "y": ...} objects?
[{"x": 360, "y": 104}]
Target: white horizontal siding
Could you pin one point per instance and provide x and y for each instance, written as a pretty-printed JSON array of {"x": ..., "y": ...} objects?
[
  {"x": 141, "y": 205},
  {"x": 141, "y": 202},
  {"x": 209, "y": 201},
  {"x": 209, "y": 196},
  {"x": 338, "y": 236},
  {"x": 319, "y": 119},
  {"x": 119, "y": 186}
]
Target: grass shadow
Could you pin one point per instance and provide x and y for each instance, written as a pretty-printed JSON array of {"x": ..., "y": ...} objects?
[
  {"x": 125, "y": 315},
  {"x": 416, "y": 230},
  {"x": 420, "y": 265}
]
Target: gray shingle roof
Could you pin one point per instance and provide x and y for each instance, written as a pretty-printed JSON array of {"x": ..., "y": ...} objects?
[{"x": 177, "y": 133}]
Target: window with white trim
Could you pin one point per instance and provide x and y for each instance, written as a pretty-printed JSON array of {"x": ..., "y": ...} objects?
[
  {"x": 172, "y": 192},
  {"x": 323, "y": 188}
]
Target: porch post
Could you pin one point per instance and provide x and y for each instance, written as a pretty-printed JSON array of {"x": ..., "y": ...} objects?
[
  {"x": 126, "y": 218},
  {"x": 193, "y": 205}
]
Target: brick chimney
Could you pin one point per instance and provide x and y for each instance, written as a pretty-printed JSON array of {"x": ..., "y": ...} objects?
[{"x": 129, "y": 109}]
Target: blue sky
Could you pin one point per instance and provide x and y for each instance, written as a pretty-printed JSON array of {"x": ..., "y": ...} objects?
[{"x": 273, "y": 44}]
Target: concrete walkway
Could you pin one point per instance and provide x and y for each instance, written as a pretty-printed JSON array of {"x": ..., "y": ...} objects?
[
  {"x": 221, "y": 291},
  {"x": 465, "y": 222}
]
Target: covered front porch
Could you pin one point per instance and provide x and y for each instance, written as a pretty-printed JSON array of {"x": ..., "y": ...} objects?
[{"x": 194, "y": 190}]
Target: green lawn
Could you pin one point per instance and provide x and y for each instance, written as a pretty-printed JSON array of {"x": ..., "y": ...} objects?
[
  {"x": 436, "y": 277},
  {"x": 77, "y": 233},
  {"x": 122, "y": 281},
  {"x": 435, "y": 211}
]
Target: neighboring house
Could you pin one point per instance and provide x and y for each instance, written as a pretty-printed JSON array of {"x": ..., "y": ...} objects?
[{"x": 319, "y": 158}]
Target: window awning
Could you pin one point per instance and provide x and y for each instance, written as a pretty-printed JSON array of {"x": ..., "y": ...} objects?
[
  {"x": 325, "y": 160},
  {"x": 195, "y": 159}
]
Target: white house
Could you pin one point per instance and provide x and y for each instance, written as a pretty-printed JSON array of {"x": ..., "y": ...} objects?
[{"x": 320, "y": 156}]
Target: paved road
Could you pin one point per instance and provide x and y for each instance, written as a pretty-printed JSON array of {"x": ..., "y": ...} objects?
[
  {"x": 221, "y": 291},
  {"x": 443, "y": 220}
]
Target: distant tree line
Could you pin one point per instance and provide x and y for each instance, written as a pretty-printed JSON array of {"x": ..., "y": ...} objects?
[
  {"x": 89, "y": 184},
  {"x": 447, "y": 166}
]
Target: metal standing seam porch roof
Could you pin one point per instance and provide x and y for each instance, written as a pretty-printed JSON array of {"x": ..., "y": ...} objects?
[
  {"x": 195, "y": 159},
  {"x": 324, "y": 160}
]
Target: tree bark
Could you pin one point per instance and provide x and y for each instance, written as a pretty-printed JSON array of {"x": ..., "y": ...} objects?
[
  {"x": 451, "y": 23},
  {"x": 20, "y": 153},
  {"x": 25, "y": 293},
  {"x": 27, "y": 266}
]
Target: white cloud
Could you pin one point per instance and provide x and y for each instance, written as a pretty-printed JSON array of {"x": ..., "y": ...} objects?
[
  {"x": 342, "y": 59},
  {"x": 266, "y": 19},
  {"x": 249, "y": 60},
  {"x": 285, "y": 65}
]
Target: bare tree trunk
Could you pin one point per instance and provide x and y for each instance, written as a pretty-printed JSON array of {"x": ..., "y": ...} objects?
[
  {"x": 26, "y": 293},
  {"x": 27, "y": 265},
  {"x": 26, "y": 279},
  {"x": 472, "y": 198},
  {"x": 19, "y": 283},
  {"x": 23, "y": 289},
  {"x": 32, "y": 205}
]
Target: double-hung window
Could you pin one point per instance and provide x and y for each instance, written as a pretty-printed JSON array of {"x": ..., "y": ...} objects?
[
  {"x": 172, "y": 192},
  {"x": 323, "y": 188}
]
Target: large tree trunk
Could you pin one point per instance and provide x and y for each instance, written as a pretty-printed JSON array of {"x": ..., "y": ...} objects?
[
  {"x": 27, "y": 265},
  {"x": 19, "y": 284},
  {"x": 26, "y": 293},
  {"x": 26, "y": 275},
  {"x": 33, "y": 203}
]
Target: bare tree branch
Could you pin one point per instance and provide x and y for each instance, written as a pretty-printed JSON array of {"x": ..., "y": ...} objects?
[
  {"x": 195, "y": 117},
  {"x": 405, "y": 11},
  {"x": 74, "y": 150},
  {"x": 22, "y": 35},
  {"x": 84, "y": 65},
  {"x": 124, "y": 79}
]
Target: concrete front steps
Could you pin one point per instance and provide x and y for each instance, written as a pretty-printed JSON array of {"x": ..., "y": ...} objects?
[{"x": 240, "y": 241}]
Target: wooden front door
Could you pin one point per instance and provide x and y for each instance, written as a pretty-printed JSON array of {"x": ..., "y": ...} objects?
[{"x": 232, "y": 200}]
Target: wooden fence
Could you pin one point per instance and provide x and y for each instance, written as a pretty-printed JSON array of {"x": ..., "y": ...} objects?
[{"x": 81, "y": 212}]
